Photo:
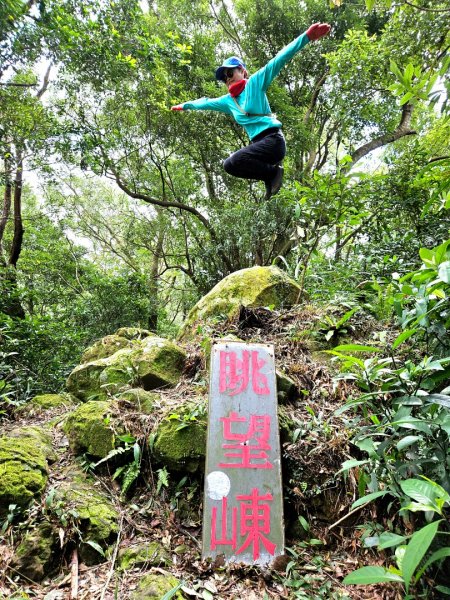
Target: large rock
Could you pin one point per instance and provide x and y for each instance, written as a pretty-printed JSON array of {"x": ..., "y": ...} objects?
[
  {"x": 37, "y": 554},
  {"x": 23, "y": 466},
  {"x": 94, "y": 514},
  {"x": 152, "y": 362},
  {"x": 89, "y": 431},
  {"x": 181, "y": 443},
  {"x": 257, "y": 286}
]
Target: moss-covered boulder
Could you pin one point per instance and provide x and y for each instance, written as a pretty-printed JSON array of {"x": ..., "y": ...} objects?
[
  {"x": 89, "y": 429},
  {"x": 134, "y": 333},
  {"x": 48, "y": 402},
  {"x": 256, "y": 286},
  {"x": 155, "y": 586},
  {"x": 152, "y": 362},
  {"x": 139, "y": 400},
  {"x": 159, "y": 363},
  {"x": 139, "y": 555},
  {"x": 181, "y": 442},
  {"x": 105, "y": 347},
  {"x": 23, "y": 466},
  {"x": 37, "y": 554},
  {"x": 95, "y": 515}
]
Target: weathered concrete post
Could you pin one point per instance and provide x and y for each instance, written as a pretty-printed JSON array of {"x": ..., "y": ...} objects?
[{"x": 243, "y": 502}]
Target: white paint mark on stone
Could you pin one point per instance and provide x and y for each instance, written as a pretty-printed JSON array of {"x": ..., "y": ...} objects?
[{"x": 217, "y": 485}]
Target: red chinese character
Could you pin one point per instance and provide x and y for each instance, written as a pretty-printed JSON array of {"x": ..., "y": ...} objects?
[
  {"x": 234, "y": 374},
  {"x": 223, "y": 540},
  {"x": 247, "y": 453},
  {"x": 255, "y": 521}
]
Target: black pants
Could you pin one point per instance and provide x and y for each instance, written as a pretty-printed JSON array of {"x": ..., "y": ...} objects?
[{"x": 258, "y": 160}]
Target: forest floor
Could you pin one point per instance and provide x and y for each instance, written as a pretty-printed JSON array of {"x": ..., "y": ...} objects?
[{"x": 317, "y": 558}]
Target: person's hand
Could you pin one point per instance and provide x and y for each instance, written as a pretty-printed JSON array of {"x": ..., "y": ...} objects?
[
  {"x": 177, "y": 107},
  {"x": 317, "y": 30}
]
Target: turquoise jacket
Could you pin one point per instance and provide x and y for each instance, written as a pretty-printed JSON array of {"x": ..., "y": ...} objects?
[{"x": 253, "y": 99}]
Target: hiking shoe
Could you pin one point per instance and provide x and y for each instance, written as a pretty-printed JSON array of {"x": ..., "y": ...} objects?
[{"x": 275, "y": 184}]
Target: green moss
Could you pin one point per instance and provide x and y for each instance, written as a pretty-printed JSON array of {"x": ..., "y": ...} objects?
[
  {"x": 50, "y": 401},
  {"x": 143, "y": 401},
  {"x": 96, "y": 516},
  {"x": 181, "y": 449},
  {"x": 257, "y": 286},
  {"x": 149, "y": 554},
  {"x": 133, "y": 333},
  {"x": 23, "y": 466},
  {"x": 19, "y": 483},
  {"x": 153, "y": 361},
  {"x": 88, "y": 429},
  {"x": 35, "y": 555},
  {"x": 160, "y": 363},
  {"x": 104, "y": 348},
  {"x": 155, "y": 586}
]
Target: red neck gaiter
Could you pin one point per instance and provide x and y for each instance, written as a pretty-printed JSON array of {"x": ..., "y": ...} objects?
[{"x": 237, "y": 87}]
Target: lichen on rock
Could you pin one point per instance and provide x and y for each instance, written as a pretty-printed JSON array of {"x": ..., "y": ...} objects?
[{"x": 256, "y": 286}]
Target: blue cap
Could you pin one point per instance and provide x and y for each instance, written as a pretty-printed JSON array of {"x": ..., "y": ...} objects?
[{"x": 231, "y": 63}]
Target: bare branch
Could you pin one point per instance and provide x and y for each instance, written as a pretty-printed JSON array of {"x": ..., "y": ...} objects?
[{"x": 402, "y": 130}]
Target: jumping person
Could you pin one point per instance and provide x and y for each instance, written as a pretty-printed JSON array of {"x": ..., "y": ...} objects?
[{"x": 247, "y": 103}]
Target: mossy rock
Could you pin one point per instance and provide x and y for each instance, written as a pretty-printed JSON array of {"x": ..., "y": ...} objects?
[
  {"x": 152, "y": 362},
  {"x": 89, "y": 431},
  {"x": 155, "y": 586},
  {"x": 149, "y": 554},
  {"x": 36, "y": 555},
  {"x": 253, "y": 287},
  {"x": 287, "y": 389},
  {"x": 96, "y": 516},
  {"x": 98, "y": 379},
  {"x": 134, "y": 333},
  {"x": 40, "y": 435},
  {"x": 47, "y": 402},
  {"x": 142, "y": 400},
  {"x": 23, "y": 467},
  {"x": 105, "y": 347},
  {"x": 159, "y": 363},
  {"x": 181, "y": 449}
]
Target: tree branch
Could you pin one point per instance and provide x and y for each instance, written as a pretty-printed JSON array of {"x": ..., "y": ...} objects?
[{"x": 402, "y": 130}]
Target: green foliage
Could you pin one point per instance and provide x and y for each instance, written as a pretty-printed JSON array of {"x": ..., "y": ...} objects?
[
  {"x": 129, "y": 472},
  {"x": 429, "y": 497}
]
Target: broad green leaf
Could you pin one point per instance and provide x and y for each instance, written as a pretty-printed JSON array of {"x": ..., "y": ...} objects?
[
  {"x": 416, "y": 550},
  {"x": 367, "y": 575},
  {"x": 96, "y": 547},
  {"x": 369, "y": 498},
  {"x": 444, "y": 271},
  {"x": 443, "y": 589},
  {"x": 171, "y": 593},
  {"x": 350, "y": 464},
  {"x": 407, "y": 441},
  {"x": 388, "y": 540},
  {"x": 427, "y": 257},
  {"x": 423, "y": 491},
  {"x": 441, "y": 399},
  {"x": 403, "y": 337}
]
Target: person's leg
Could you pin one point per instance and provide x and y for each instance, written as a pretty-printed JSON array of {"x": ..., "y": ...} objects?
[{"x": 259, "y": 159}]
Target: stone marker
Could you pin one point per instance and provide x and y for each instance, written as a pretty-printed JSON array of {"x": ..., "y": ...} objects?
[{"x": 243, "y": 502}]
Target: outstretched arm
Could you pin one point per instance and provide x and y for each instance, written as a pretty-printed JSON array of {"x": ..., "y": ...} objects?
[
  {"x": 217, "y": 104},
  {"x": 268, "y": 73}
]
